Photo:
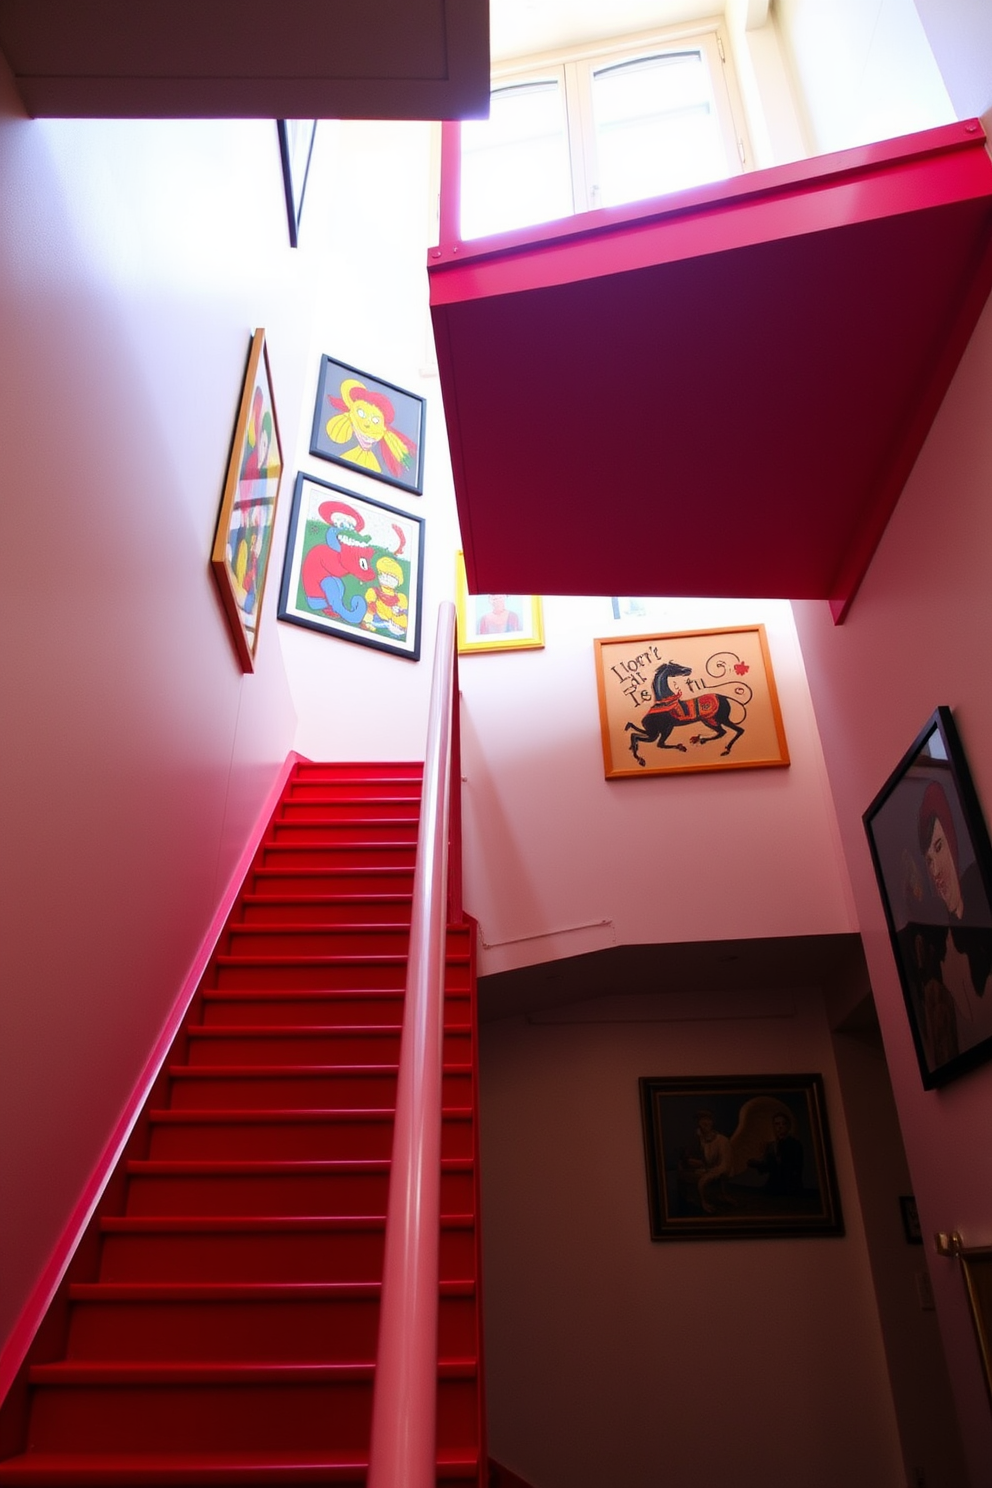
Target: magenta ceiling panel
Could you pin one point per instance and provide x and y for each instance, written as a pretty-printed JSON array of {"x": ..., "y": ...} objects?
[{"x": 719, "y": 393}]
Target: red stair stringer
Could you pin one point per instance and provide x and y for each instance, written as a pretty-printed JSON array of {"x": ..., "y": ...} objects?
[{"x": 218, "y": 1322}]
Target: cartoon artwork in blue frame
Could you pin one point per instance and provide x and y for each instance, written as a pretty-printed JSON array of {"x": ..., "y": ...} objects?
[
  {"x": 369, "y": 425},
  {"x": 354, "y": 568}
]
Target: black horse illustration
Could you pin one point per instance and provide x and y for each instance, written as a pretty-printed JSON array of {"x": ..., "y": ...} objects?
[{"x": 670, "y": 711}]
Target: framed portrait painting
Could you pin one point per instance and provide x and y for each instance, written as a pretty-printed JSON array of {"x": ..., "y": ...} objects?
[
  {"x": 496, "y": 622},
  {"x": 740, "y": 1156},
  {"x": 933, "y": 863},
  {"x": 691, "y": 700},
  {"x": 369, "y": 425},
  {"x": 354, "y": 568},
  {"x": 243, "y": 538}
]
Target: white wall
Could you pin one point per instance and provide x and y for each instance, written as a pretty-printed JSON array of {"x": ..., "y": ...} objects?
[
  {"x": 613, "y": 1359},
  {"x": 549, "y": 843},
  {"x": 135, "y": 260},
  {"x": 863, "y": 70},
  {"x": 367, "y": 225},
  {"x": 918, "y": 635},
  {"x": 560, "y": 860}
]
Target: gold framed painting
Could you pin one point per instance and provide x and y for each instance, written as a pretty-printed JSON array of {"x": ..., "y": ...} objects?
[
  {"x": 691, "y": 700},
  {"x": 496, "y": 622},
  {"x": 243, "y": 539}
]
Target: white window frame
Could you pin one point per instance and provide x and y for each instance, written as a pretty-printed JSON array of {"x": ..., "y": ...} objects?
[{"x": 573, "y": 67}]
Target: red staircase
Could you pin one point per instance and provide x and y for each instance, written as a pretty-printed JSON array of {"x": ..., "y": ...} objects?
[{"x": 226, "y": 1331}]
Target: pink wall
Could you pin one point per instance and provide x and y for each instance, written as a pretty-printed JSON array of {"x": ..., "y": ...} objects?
[
  {"x": 615, "y": 1359},
  {"x": 135, "y": 259},
  {"x": 919, "y": 634},
  {"x": 560, "y": 861}
]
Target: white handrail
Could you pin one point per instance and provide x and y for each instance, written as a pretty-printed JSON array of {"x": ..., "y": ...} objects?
[{"x": 403, "y": 1449}]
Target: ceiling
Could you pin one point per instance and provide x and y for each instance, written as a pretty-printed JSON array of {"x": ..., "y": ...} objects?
[
  {"x": 720, "y": 392},
  {"x": 629, "y": 976},
  {"x": 389, "y": 59}
]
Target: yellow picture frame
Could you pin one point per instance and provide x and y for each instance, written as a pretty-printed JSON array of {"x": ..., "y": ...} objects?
[{"x": 496, "y": 622}]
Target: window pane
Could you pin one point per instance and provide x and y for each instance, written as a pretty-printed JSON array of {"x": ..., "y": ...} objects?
[
  {"x": 515, "y": 169},
  {"x": 656, "y": 127}
]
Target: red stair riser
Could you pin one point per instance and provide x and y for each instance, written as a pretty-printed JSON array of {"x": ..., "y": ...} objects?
[
  {"x": 323, "y": 972},
  {"x": 309, "y": 772},
  {"x": 306, "y": 1136},
  {"x": 233, "y": 1008},
  {"x": 365, "y": 790},
  {"x": 290, "y": 939},
  {"x": 381, "y": 857},
  {"x": 253, "y": 1255},
  {"x": 313, "y": 1045},
  {"x": 201, "y": 1090},
  {"x": 266, "y": 1328},
  {"x": 376, "y": 880},
  {"x": 249, "y": 1256},
  {"x": 281, "y": 1414},
  {"x": 327, "y": 809},
  {"x": 213, "y": 1088},
  {"x": 179, "y": 1417},
  {"x": 389, "y": 832},
  {"x": 327, "y": 909},
  {"x": 274, "y": 1194}
]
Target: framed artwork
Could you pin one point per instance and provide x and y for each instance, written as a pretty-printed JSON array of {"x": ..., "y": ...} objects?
[
  {"x": 738, "y": 1156},
  {"x": 496, "y": 622},
  {"x": 243, "y": 539},
  {"x": 296, "y": 138},
  {"x": 369, "y": 425},
  {"x": 354, "y": 568},
  {"x": 694, "y": 700},
  {"x": 933, "y": 862}
]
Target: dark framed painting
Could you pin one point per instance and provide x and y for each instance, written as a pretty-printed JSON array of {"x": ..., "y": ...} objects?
[
  {"x": 733, "y": 1157},
  {"x": 688, "y": 700},
  {"x": 933, "y": 862},
  {"x": 369, "y": 425},
  {"x": 354, "y": 568},
  {"x": 243, "y": 538},
  {"x": 296, "y": 137}
]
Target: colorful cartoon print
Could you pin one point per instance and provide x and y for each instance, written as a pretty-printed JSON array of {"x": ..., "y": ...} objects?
[
  {"x": 353, "y": 568},
  {"x": 368, "y": 424},
  {"x": 365, "y": 422}
]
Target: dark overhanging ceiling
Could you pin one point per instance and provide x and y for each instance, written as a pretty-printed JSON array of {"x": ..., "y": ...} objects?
[
  {"x": 297, "y": 59},
  {"x": 738, "y": 968}
]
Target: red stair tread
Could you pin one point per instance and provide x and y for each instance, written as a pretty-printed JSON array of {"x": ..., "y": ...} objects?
[{"x": 198, "y": 1470}]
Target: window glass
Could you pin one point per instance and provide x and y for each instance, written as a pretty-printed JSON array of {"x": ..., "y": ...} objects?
[
  {"x": 515, "y": 165},
  {"x": 656, "y": 127}
]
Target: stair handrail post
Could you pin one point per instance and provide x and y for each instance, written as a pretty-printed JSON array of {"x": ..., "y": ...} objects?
[{"x": 404, "y": 1411}]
